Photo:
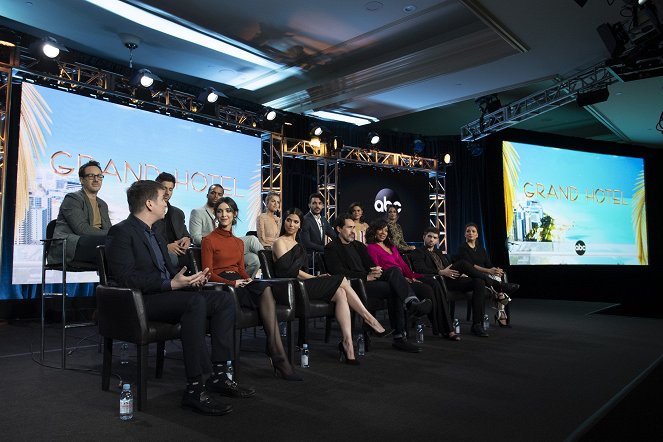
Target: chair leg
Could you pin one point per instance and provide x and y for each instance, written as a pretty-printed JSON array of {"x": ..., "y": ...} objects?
[
  {"x": 141, "y": 376},
  {"x": 161, "y": 347},
  {"x": 106, "y": 366},
  {"x": 303, "y": 323},
  {"x": 328, "y": 325},
  {"x": 291, "y": 343}
]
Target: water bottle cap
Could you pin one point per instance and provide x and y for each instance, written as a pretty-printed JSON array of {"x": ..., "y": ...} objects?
[{"x": 126, "y": 387}]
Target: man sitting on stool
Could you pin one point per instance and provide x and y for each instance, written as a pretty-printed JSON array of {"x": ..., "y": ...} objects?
[
  {"x": 138, "y": 259},
  {"x": 347, "y": 257},
  {"x": 83, "y": 219}
]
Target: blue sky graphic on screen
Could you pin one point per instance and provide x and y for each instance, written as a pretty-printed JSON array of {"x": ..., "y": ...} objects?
[
  {"x": 573, "y": 207},
  {"x": 130, "y": 144}
]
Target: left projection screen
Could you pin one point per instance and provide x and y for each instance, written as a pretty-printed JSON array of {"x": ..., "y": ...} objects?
[{"x": 59, "y": 131}]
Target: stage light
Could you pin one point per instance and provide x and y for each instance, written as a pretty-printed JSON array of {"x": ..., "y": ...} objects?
[
  {"x": 317, "y": 131},
  {"x": 270, "y": 115},
  {"x": 8, "y": 38},
  {"x": 488, "y": 103},
  {"x": 210, "y": 95},
  {"x": 47, "y": 47},
  {"x": 586, "y": 98},
  {"x": 373, "y": 138},
  {"x": 418, "y": 146},
  {"x": 144, "y": 78},
  {"x": 446, "y": 159},
  {"x": 337, "y": 144}
]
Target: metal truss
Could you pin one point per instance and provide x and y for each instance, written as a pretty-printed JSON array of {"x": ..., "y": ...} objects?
[
  {"x": 327, "y": 185},
  {"x": 5, "y": 116},
  {"x": 98, "y": 83},
  {"x": 388, "y": 159},
  {"x": 437, "y": 206},
  {"x": 540, "y": 102},
  {"x": 272, "y": 163}
]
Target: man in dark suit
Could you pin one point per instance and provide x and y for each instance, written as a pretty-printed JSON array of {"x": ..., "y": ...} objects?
[
  {"x": 315, "y": 226},
  {"x": 347, "y": 257},
  {"x": 138, "y": 258},
  {"x": 173, "y": 226},
  {"x": 431, "y": 261},
  {"x": 83, "y": 219}
]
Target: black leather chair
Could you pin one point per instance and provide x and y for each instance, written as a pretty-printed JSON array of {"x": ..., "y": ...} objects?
[
  {"x": 306, "y": 308},
  {"x": 121, "y": 315},
  {"x": 64, "y": 267},
  {"x": 247, "y": 317}
]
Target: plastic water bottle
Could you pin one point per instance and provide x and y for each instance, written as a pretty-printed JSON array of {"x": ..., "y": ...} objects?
[
  {"x": 361, "y": 345},
  {"x": 486, "y": 322},
  {"x": 420, "y": 333},
  {"x": 229, "y": 370},
  {"x": 124, "y": 354},
  {"x": 126, "y": 403},
  {"x": 305, "y": 356},
  {"x": 456, "y": 326},
  {"x": 283, "y": 328}
]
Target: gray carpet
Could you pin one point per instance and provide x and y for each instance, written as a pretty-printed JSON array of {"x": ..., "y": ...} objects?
[{"x": 540, "y": 381}]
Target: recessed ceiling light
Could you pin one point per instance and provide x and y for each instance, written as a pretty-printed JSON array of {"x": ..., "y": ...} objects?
[
  {"x": 409, "y": 8},
  {"x": 373, "y": 6}
]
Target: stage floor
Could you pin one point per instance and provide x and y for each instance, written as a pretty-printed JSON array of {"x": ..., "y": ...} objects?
[{"x": 543, "y": 379}]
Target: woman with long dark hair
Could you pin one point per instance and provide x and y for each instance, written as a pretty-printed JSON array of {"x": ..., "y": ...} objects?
[
  {"x": 289, "y": 259},
  {"x": 357, "y": 212},
  {"x": 386, "y": 255},
  {"x": 223, "y": 253}
]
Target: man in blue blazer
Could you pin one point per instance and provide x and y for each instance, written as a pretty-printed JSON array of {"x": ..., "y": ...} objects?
[
  {"x": 315, "y": 226},
  {"x": 138, "y": 258}
]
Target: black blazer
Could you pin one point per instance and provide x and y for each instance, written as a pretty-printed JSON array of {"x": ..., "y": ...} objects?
[
  {"x": 337, "y": 260},
  {"x": 131, "y": 260},
  {"x": 422, "y": 261},
  {"x": 310, "y": 233}
]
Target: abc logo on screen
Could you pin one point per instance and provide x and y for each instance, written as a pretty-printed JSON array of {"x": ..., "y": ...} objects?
[
  {"x": 386, "y": 198},
  {"x": 580, "y": 247}
]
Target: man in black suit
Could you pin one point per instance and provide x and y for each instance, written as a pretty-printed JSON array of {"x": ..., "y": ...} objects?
[
  {"x": 431, "y": 261},
  {"x": 138, "y": 258},
  {"x": 315, "y": 226},
  {"x": 347, "y": 257},
  {"x": 173, "y": 226}
]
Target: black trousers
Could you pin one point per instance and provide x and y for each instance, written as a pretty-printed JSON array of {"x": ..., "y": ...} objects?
[
  {"x": 468, "y": 269},
  {"x": 392, "y": 286},
  {"x": 439, "y": 316},
  {"x": 192, "y": 309},
  {"x": 86, "y": 248}
]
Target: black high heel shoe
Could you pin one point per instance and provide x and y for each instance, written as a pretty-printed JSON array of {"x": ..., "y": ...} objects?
[
  {"x": 278, "y": 364},
  {"x": 383, "y": 334},
  {"x": 343, "y": 355}
]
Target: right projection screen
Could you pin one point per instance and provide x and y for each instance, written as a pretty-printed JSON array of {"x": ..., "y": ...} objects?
[{"x": 573, "y": 207}]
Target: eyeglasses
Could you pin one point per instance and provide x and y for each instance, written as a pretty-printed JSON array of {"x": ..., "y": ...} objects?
[{"x": 91, "y": 176}]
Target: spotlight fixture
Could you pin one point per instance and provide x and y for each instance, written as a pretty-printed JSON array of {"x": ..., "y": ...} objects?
[
  {"x": 586, "y": 98},
  {"x": 373, "y": 138},
  {"x": 47, "y": 47},
  {"x": 8, "y": 38},
  {"x": 337, "y": 144},
  {"x": 270, "y": 114},
  {"x": 446, "y": 159},
  {"x": 210, "y": 95},
  {"x": 418, "y": 146},
  {"x": 144, "y": 78},
  {"x": 488, "y": 103},
  {"x": 317, "y": 131}
]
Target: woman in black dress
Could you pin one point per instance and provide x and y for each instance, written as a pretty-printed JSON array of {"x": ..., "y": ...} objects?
[
  {"x": 475, "y": 254},
  {"x": 290, "y": 257}
]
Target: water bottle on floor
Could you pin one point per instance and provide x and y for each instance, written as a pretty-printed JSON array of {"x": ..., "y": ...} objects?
[
  {"x": 283, "y": 328},
  {"x": 420, "y": 333},
  {"x": 305, "y": 356},
  {"x": 456, "y": 326},
  {"x": 126, "y": 403},
  {"x": 486, "y": 322},
  {"x": 124, "y": 354},
  {"x": 229, "y": 370},
  {"x": 361, "y": 345}
]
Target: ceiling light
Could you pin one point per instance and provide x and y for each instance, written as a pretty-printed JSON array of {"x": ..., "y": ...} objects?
[
  {"x": 176, "y": 30},
  {"x": 144, "y": 78},
  {"x": 358, "y": 120},
  {"x": 210, "y": 95},
  {"x": 270, "y": 114},
  {"x": 373, "y": 138}
]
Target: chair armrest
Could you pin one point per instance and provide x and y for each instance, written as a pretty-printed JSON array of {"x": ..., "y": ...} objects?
[{"x": 121, "y": 314}]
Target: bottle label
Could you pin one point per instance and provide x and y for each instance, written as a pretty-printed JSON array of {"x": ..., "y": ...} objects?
[
  {"x": 304, "y": 361},
  {"x": 126, "y": 406}
]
